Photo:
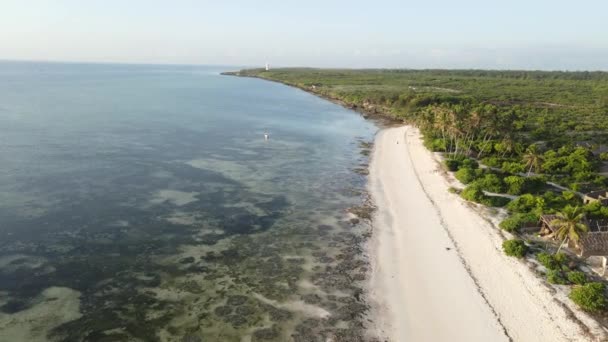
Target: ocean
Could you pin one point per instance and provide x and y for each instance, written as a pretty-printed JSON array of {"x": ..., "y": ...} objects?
[{"x": 142, "y": 203}]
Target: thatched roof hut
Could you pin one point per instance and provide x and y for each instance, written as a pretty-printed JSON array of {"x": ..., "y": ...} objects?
[{"x": 592, "y": 243}]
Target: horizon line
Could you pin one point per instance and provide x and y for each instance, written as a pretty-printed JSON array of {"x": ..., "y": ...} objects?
[{"x": 10, "y": 60}]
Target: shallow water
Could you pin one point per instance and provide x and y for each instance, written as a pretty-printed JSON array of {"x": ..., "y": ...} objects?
[{"x": 144, "y": 202}]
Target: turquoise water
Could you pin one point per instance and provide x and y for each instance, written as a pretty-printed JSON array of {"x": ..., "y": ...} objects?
[{"x": 143, "y": 203}]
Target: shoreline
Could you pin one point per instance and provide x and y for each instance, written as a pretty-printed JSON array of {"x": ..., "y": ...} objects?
[
  {"x": 438, "y": 271},
  {"x": 515, "y": 303},
  {"x": 379, "y": 117}
]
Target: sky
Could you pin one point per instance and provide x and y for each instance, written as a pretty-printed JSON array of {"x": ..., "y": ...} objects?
[{"x": 484, "y": 34}]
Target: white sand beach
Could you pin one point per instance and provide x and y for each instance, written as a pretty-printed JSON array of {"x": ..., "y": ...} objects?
[{"x": 439, "y": 273}]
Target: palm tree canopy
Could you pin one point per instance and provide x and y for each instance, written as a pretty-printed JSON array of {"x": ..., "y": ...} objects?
[
  {"x": 569, "y": 224},
  {"x": 533, "y": 158}
]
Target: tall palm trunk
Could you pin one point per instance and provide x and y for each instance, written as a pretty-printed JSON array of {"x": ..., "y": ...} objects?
[
  {"x": 562, "y": 245},
  {"x": 485, "y": 140}
]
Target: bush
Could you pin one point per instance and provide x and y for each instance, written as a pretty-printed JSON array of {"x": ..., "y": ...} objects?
[
  {"x": 492, "y": 161},
  {"x": 473, "y": 193},
  {"x": 492, "y": 183},
  {"x": 467, "y": 175},
  {"x": 556, "y": 277},
  {"x": 512, "y": 223},
  {"x": 596, "y": 210},
  {"x": 515, "y": 248},
  {"x": 514, "y": 185},
  {"x": 495, "y": 201},
  {"x": 470, "y": 163},
  {"x": 436, "y": 145},
  {"x": 589, "y": 297},
  {"x": 453, "y": 190},
  {"x": 577, "y": 277},
  {"x": 534, "y": 184},
  {"x": 523, "y": 204},
  {"x": 561, "y": 258},
  {"x": 604, "y": 156},
  {"x": 552, "y": 262},
  {"x": 452, "y": 164},
  {"x": 512, "y": 167}
]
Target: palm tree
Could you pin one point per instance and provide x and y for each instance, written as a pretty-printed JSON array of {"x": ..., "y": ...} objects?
[
  {"x": 490, "y": 127},
  {"x": 569, "y": 226},
  {"x": 533, "y": 158},
  {"x": 508, "y": 145}
]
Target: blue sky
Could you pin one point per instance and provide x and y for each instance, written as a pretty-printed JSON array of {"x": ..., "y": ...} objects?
[{"x": 532, "y": 34}]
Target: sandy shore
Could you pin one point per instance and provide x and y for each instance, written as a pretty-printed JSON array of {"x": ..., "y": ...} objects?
[{"x": 439, "y": 273}]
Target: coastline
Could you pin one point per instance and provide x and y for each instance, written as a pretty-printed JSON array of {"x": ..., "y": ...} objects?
[
  {"x": 507, "y": 300},
  {"x": 438, "y": 271},
  {"x": 378, "y": 116}
]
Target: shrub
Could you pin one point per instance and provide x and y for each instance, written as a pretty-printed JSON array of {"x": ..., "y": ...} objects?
[
  {"x": 453, "y": 190},
  {"x": 604, "y": 156},
  {"x": 467, "y": 175},
  {"x": 523, "y": 204},
  {"x": 491, "y": 182},
  {"x": 452, "y": 164},
  {"x": 514, "y": 185},
  {"x": 589, "y": 297},
  {"x": 512, "y": 167},
  {"x": 561, "y": 258},
  {"x": 512, "y": 223},
  {"x": 470, "y": 163},
  {"x": 568, "y": 195},
  {"x": 492, "y": 161},
  {"x": 436, "y": 145},
  {"x": 552, "y": 262},
  {"x": 534, "y": 184},
  {"x": 547, "y": 260},
  {"x": 495, "y": 201},
  {"x": 556, "y": 277},
  {"x": 577, "y": 277},
  {"x": 595, "y": 210},
  {"x": 473, "y": 193},
  {"x": 515, "y": 248}
]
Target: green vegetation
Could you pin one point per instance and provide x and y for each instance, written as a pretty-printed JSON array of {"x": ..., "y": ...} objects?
[
  {"x": 475, "y": 193},
  {"x": 577, "y": 277},
  {"x": 513, "y": 223},
  {"x": 553, "y": 262},
  {"x": 515, "y": 248},
  {"x": 595, "y": 210},
  {"x": 569, "y": 225},
  {"x": 535, "y": 133},
  {"x": 556, "y": 277},
  {"x": 589, "y": 297},
  {"x": 559, "y": 269},
  {"x": 452, "y": 164},
  {"x": 521, "y": 122},
  {"x": 466, "y": 175}
]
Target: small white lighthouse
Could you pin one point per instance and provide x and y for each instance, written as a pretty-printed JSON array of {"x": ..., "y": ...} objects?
[{"x": 267, "y": 66}]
